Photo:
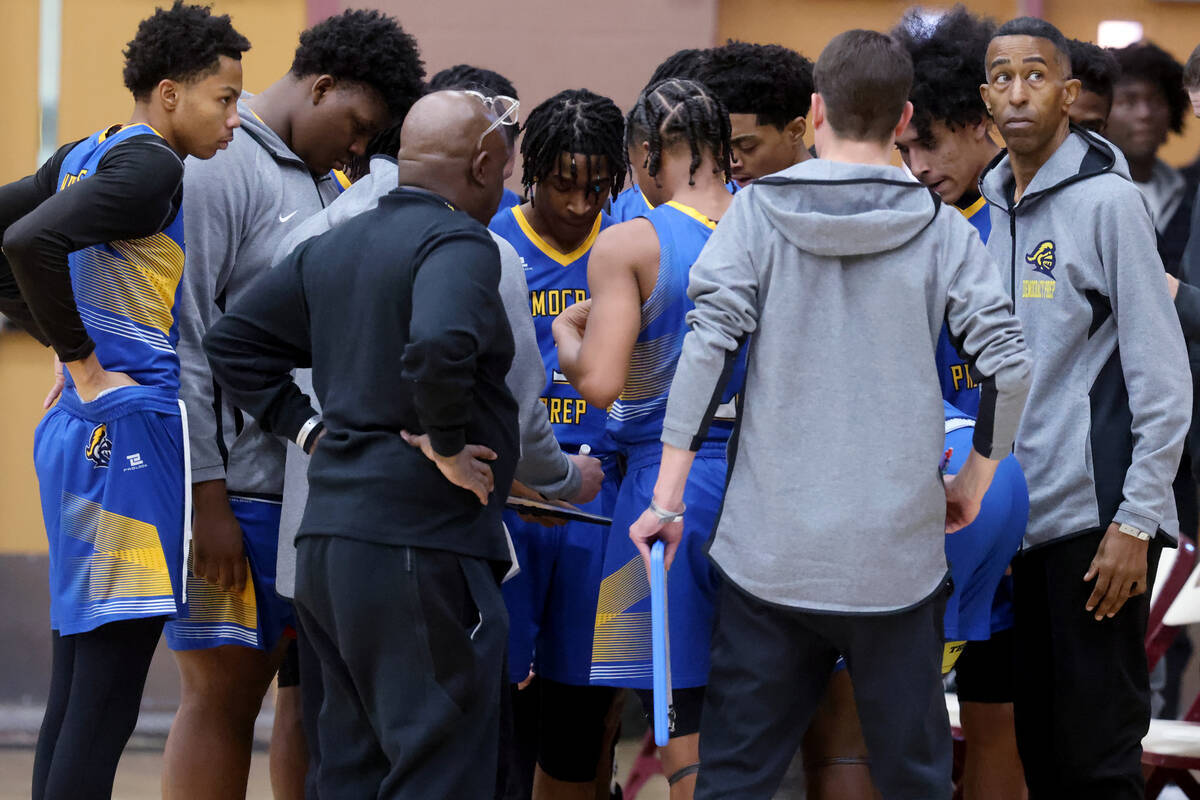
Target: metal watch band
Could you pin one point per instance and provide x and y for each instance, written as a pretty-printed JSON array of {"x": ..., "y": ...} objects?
[
  {"x": 664, "y": 515},
  {"x": 1136, "y": 533}
]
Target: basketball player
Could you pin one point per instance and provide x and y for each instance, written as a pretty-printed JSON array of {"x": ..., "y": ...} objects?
[
  {"x": 767, "y": 90},
  {"x": 620, "y": 349},
  {"x": 1097, "y": 71},
  {"x": 574, "y": 162},
  {"x": 352, "y": 75},
  {"x": 632, "y": 202},
  {"x": 95, "y": 243}
]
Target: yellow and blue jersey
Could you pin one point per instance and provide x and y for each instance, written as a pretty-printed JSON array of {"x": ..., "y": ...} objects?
[
  {"x": 637, "y": 415},
  {"x": 959, "y": 388},
  {"x": 630, "y": 204},
  {"x": 126, "y": 291},
  {"x": 557, "y": 280}
]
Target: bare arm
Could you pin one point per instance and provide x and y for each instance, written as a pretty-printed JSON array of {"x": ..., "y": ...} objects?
[{"x": 595, "y": 338}]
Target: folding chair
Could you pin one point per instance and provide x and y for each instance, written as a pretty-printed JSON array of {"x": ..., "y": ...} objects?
[{"x": 1171, "y": 748}]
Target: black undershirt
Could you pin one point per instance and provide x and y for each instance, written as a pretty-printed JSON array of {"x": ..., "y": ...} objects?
[{"x": 135, "y": 191}]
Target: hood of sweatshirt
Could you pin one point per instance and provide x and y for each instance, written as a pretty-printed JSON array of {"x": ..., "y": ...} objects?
[
  {"x": 267, "y": 138},
  {"x": 831, "y": 208},
  {"x": 1083, "y": 155}
]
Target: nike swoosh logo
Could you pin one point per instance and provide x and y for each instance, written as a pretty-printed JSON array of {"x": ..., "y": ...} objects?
[{"x": 282, "y": 218}]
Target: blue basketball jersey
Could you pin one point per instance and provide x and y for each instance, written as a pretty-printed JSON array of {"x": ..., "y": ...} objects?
[
  {"x": 980, "y": 553},
  {"x": 630, "y": 204},
  {"x": 557, "y": 280},
  {"x": 126, "y": 290},
  {"x": 637, "y": 415},
  {"x": 508, "y": 199},
  {"x": 958, "y": 386}
]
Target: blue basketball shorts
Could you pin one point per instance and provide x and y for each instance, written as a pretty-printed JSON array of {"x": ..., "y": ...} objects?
[{"x": 114, "y": 500}]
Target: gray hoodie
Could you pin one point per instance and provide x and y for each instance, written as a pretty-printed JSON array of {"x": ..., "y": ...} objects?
[
  {"x": 240, "y": 204},
  {"x": 842, "y": 275},
  {"x": 1111, "y": 398},
  {"x": 543, "y": 465}
]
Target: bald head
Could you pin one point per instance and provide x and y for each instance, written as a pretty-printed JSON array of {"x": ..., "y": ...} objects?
[{"x": 440, "y": 151}]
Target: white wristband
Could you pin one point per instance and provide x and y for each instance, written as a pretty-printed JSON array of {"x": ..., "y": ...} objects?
[{"x": 306, "y": 429}]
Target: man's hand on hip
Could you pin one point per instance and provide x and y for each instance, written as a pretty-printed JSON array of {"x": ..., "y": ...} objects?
[{"x": 467, "y": 469}]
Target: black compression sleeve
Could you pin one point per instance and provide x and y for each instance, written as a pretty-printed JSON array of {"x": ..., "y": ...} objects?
[
  {"x": 132, "y": 194},
  {"x": 16, "y": 200}
]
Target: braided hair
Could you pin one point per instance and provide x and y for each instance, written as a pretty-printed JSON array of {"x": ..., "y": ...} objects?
[
  {"x": 674, "y": 110},
  {"x": 573, "y": 121}
]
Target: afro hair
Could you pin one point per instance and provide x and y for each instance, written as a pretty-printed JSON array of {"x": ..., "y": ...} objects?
[
  {"x": 1095, "y": 67},
  {"x": 768, "y": 80},
  {"x": 1146, "y": 61},
  {"x": 946, "y": 54},
  {"x": 368, "y": 48},
  {"x": 181, "y": 43}
]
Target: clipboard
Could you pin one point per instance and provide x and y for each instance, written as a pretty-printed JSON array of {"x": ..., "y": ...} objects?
[{"x": 525, "y": 505}]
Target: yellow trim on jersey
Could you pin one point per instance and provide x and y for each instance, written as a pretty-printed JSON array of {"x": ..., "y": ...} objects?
[
  {"x": 138, "y": 279},
  {"x": 111, "y": 129},
  {"x": 541, "y": 244},
  {"x": 693, "y": 213},
  {"x": 649, "y": 205},
  {"x": 341, "y": 178},
  {"x": 971, "y": 210}
]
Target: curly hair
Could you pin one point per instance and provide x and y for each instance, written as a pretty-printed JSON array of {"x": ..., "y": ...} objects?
[
  {"x": 182, "y": 43},
  {"x": 677, "y": 110},
  {"x": 573, "y": 121},
  {"x": 368, "y": 48},
  {"x": 946, "y": 55},
  {"x": 768, "y": 80},
  {"x": 1095, "y": 67},
  {"x": 684, "y": 64},
  {"x": 1146, "y": 61}
]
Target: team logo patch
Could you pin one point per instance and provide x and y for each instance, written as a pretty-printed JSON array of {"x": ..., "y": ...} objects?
[
  {"x": 1042, "y": 259},
  {"x": 99, "y": 447}
]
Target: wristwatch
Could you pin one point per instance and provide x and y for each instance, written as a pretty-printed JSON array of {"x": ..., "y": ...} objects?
[
  {"x": 666, "y": 516},
  {"x": 1136, "y": 533}
]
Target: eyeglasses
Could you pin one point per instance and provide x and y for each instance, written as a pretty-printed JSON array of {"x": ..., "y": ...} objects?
[{"x": 504, "y": 107}]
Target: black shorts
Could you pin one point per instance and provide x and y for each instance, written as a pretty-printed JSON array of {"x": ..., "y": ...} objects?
[
  {"x": 289, "y": 670},
  {"x": 687, "y": 704},
  {"x": 984, "y": 671},
  {"x": 571, "y": 739}
]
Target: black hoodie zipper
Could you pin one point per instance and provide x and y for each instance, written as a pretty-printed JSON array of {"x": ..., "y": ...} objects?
[{"x": 1012, "y": 264}]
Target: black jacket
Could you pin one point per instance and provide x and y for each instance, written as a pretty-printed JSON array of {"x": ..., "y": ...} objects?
[{"x": 398, "y": 313}]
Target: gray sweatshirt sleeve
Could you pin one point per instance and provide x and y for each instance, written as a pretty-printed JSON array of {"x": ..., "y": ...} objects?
[
  {"x": 216, "y": 200},
  {"x": 543, "y": 466},
  {"x": 982, "y": 325},
  {"x": 1153, "y": 355},
  {"x": 723, "y": 285}
]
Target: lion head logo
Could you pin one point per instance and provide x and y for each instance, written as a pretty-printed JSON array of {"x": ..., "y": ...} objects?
[
  {"x": 1042, "y": 259},
  {"x": 99, "y": 448}
]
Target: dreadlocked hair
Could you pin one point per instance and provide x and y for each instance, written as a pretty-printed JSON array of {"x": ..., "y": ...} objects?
[
  {"x": 573, "y": 121},
  {"x": 674, "y": 110}
]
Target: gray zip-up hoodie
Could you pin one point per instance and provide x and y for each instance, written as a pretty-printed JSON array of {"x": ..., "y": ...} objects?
[
  {"x": 240, "y": 204},
  {"x": 543, "y": 465},
  {"x": 1111, "y": 398},
  {"x": 842, "y": 275}
]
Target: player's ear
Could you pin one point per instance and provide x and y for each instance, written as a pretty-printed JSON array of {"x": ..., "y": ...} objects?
[
  {"x": 985, "y": 93},
  {"x": 168, "y": 94},
  {"x": 795, "y": 131},
  {"x": 321, "y": 87}
]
